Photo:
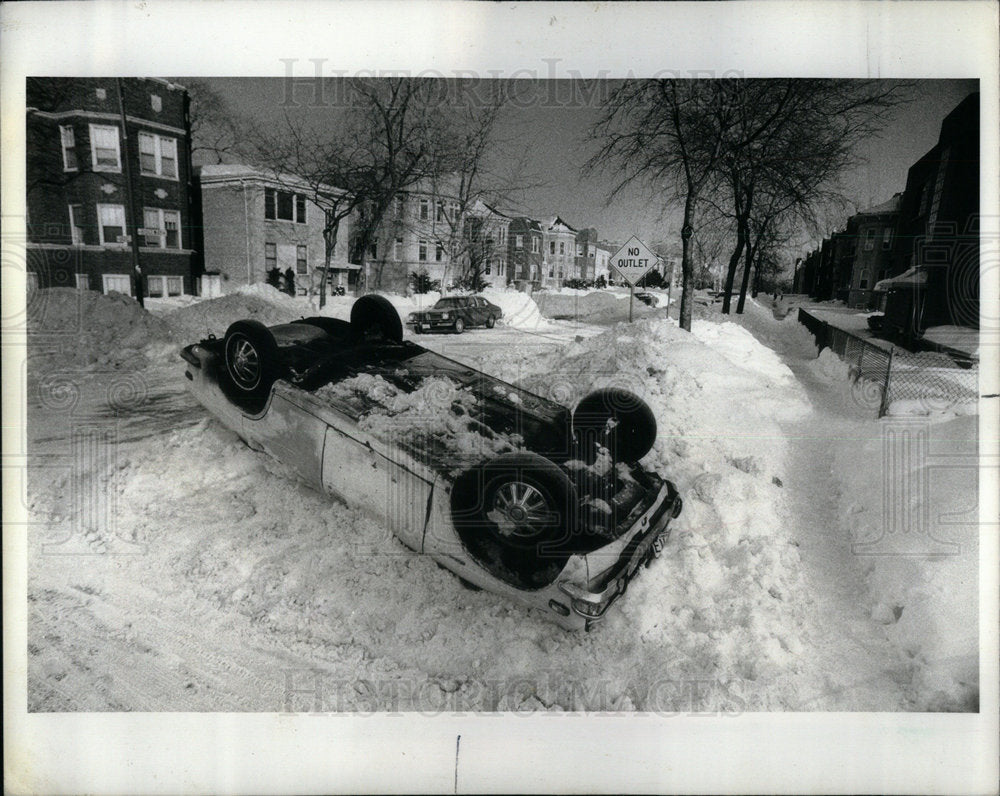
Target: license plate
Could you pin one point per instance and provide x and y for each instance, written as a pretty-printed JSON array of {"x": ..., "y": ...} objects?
[
  {"x": 425, "y": 326},
  {"x": 658, "y": 544}
]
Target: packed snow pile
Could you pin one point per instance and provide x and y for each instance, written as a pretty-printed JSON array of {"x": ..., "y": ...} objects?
[
  {"x": 829, "y": 367},
  {"x": 70, "y": 328},
  {"x": 598, "y": 306},
  {"x": 742, "y": 349},
  {"x": 260, "y": 302},
  {"x": 519, "y": 309}
]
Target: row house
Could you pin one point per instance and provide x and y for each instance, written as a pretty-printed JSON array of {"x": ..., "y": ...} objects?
[
  {"x": 585, "y": 263},
  {"x": 875, "y": 238},
  {"x": 524, "y": 255},
  {"x": 108, "y": 166},
  {"x": 421, "y": 231},
  {"x": 558, "y": 252},
  {"x": 918, "y": 253},
  {"x": 255, "y": 222},
  {"x": 486, "y": 234},
  {"x": 934, "y": 277}
]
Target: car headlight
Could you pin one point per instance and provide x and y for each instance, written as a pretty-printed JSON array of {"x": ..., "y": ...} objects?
[{"x": 411, "y": 317}]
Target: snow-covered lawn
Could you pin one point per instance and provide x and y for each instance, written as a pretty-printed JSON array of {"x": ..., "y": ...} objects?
[{"x": 213, "y": 581}]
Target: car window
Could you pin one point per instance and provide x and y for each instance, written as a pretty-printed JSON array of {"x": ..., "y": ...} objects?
[{"x": 447, "y": 303}]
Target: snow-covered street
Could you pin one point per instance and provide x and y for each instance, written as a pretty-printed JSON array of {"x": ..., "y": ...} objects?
[{"x": 204, "y": 578}]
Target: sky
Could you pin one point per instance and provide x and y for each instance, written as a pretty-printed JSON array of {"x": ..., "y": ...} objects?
[{"x": 547, "y": 134}]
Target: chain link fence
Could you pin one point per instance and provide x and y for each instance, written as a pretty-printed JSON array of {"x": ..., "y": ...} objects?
[{"x": 880, "y": 377}]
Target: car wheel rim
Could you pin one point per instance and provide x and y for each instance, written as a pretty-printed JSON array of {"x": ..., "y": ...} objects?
[
  {"x": 244, "y": 362},
  {"x": 524, "y": 509}
]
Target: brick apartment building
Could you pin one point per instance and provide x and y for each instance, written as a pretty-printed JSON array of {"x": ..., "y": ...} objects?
[
  {"x": 875, "y": 238},
  {"x": 253, "y": 222},
  {"x": 559, "y": 252},
  {"x": 524, "y": 253},
  {"x": 81, "y": 208}
]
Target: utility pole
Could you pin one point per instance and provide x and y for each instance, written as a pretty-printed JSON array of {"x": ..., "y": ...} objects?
[{"x": 131, "y": 223}]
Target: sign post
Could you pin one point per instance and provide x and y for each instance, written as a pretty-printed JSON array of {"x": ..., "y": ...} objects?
[{"x": 632, "y": 261}]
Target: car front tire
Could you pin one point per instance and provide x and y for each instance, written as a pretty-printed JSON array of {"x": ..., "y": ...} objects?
[
  {"x": 459, "y": 326},
  {"x": 251, "y": 357}
]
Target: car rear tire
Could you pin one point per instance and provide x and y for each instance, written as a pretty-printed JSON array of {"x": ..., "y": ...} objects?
[
  {"x": 521, "y": 500},
  {"x": 490, "y": 322},
  {"x": 252, "y": 359},
  {"x": 617, "y": 420},
  {"x": 459, "y": 326},
  {"x": 373, "y": 318}
]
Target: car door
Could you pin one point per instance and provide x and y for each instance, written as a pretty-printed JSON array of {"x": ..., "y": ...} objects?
[
  {"x": 290, "y": 433},
  {"x": 478, "y": 318},
  {"x": 371, "y": 476}
]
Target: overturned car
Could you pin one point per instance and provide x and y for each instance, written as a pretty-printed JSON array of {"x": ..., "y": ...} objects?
[{"x": 510, "y": 491}]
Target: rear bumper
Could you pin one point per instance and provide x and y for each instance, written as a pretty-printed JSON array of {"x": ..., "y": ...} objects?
[{"x": 613, "y": 567}]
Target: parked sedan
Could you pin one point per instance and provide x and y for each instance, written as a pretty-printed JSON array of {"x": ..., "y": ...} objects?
[
  {"x": 510, "y": 491},
  {"x": 455, "y": 313}
]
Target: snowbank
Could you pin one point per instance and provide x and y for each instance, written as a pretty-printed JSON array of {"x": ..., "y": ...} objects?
[
  {"x": 742, "y": 349},
  {"x": 519, "y": 309},
  {"x": 260, "y": 302},
  {"x": 70, "y": 328}
]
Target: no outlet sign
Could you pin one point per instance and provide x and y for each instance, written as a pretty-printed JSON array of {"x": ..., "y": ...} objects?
[{"x": 633, "y": 260}]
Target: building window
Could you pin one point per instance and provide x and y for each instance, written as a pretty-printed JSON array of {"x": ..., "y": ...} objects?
[
  {"x": 439, "y": 211},
  {"x": 111, "y": 225},
  {"x": 887, "y": 238},
  {"x": 535, "y": 245},
  {"x": 270, "y": 256},
  {"x": 552, "y": 249},
  {"x": 453, "y": 206},
  {"x": 439, "y": 252},
  {"x": 104, "y": 148},
  {"x": 424, "y": 209},
  {"x": 75, "y": 227},
  {"x": 398, "y": 207},
  {"x": 83, "y": 281},
  {"x": 117, "y": 283},
  {"x": 68, "y": 139},
  {"x": 301, "y": 261},
  {"x": 579, "y": 250},
  {"x": 163, "y": 286},
  {"x": 562, "y": 247},
  {"x": 157, "y": 155},
  {"x": 487, "y": 267},
  {"x": 163, "y": 228},
  {"x": 284, "y": 206},
  {"x": 422, "y": 251},
  {"x": 869, "y": 239},
  {"x": 397, "y": 249},
  {"x": 373, "y": 250},
  {"x": 155, "y": 102},
  {"x": 519, "y": 242}
]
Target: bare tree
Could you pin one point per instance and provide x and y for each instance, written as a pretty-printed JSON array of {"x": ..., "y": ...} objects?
[
  {"x": 674, "y": 136},
  {"x": 787, "y": 168},
  {"x": 215, "y": 127},
  {"x": 378, "y": 143}
]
